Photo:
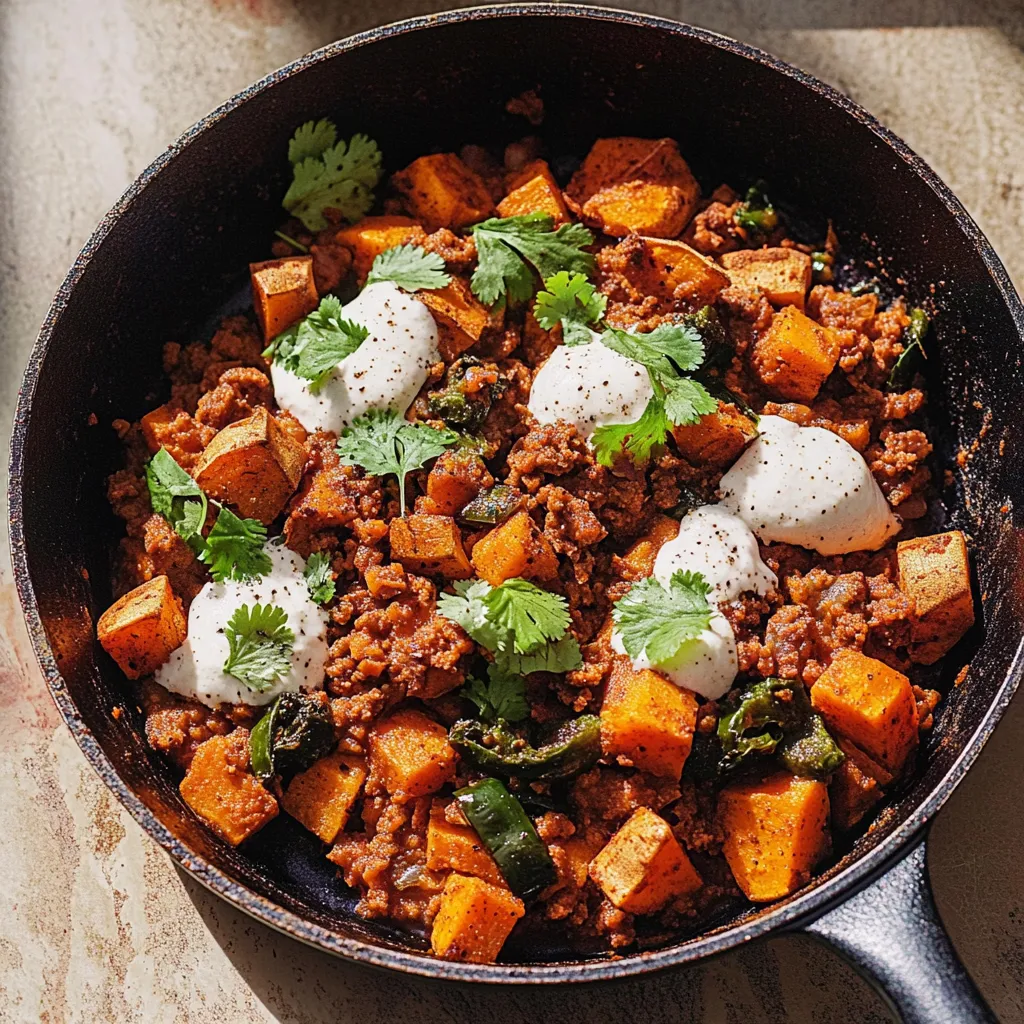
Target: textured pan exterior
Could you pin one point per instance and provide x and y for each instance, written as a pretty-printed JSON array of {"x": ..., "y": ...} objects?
[{"x": 161, "y": 262}]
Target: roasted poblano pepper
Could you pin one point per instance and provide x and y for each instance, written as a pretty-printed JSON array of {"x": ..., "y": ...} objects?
[
  {"x": 295, "y": 732},
  {"x": 573, "y": 747},
  {"x": 509, "y": 835},
  {"x": 493, "y": 506},
  {"x": 775, "y": 717},
  {"x": 462, "y": 404},
  {"x": 717, "y": 350},
  {"x": 913, "y": 349},
  {"x": 756, "y": 215}
]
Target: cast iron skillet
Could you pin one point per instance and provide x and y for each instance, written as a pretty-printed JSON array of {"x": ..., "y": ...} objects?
[{"x": 161, "y": 264}]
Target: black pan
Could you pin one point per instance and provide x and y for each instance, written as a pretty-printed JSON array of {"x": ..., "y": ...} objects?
[{"x": 174, "y": 249}]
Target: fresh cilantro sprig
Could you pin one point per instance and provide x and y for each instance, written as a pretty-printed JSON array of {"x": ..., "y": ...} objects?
[
  {"x": 319, "y": 578},
  {"x": 383, "y": 442},
  {"x": 510, "y": 249},
  {"x": 573, "y": 302},
  {"x": 656, "y": 620},
  {"x": 259, "y": 644},
  {"x": 233, "y": 549},
  {"x": 523, "y": 626},
  {"x": 314, "y": 346},
  {"x": 330, "y": 173},
  {"x": 177, "y": 497},
  {"x": 502, "y": 696},
  {"x": 411, "y": 268}
]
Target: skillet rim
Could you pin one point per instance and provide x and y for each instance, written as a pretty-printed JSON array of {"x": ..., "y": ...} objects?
[{"x": 784, "y": 917}]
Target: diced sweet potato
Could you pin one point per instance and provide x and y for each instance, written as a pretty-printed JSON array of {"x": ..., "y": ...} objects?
[
  {"x": 454, "y": 480},
  {"x": 457, "y": 308},
  {"x": 638, "y": 561},
  {"x": 442, "y": 192},
  {"x": 674, "y": 270},
  {"x": 784, "y": 275},
  {"x": 647, "y": 720},
  {"x": 410, "y": 753},
  {"x": 371, "y": 236},
  {"x": 857, "y": 785},
  {"x": 458, "y": 848},
  {"x": 580, "y": 850},
  {"x": 718, "y": 439},
  {"x": 936, "y": 575},
  {"x": 534, "y": 190},
  {"x": 644, "y": 207},
  {"x": 430, "y": 545},
  {"x": 643, "y": 867},
  {"x": 516, "y": 548},
  {"x": 220, "y": 788},
  {"x": 322, "y": 796},
  {"x": 171, "y": 427},
  {"x": 871, "y": 704},
  {"x": 474, "y": 919},
  {"x": 776, "y": 831},
  {"x": 795, "y": 355},
  {"x": 141, "y": 630},
  {"x": 283, "y": 292},
  {"x": 253, "y": 465}
]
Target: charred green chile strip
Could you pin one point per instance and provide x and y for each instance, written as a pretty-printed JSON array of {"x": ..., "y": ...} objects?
[
  {"x": 913, "y": 349},
  {"x": 493, "y": 506},
  {"x": 756, "y": 214},
  {"x": 509, "y": 835},
  {"x": 572, "y": 748},
  {"x": 291, "y": 736}
]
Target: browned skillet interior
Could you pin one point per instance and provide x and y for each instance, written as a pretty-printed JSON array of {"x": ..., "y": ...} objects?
[{"x": 172, "y": 257}]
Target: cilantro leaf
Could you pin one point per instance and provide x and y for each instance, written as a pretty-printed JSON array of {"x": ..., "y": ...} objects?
[
  {"x": 687, "y": 400},
  {"x": 409, "y": 267},
  {"x": 509, "y": 249},
  {"x": 532, "y": 616},
  {"x": 234, "y": 548},
  {"x": 340, "y": 175},
  {"x": 502, "y": 696},
  {"x": 656, "y": 620},
  {"x": 383, "y": 442},
  {"x": 314, "y": 346},
  {"x": 259, "y": 644},
  {"x": 572, "y": 302},
  {"x": 177, "y": 497},
  {"x": 560, "y": 656},
  {"x": 468, "y": 608},
  {"x": 319, "y": 578},
  {"x": 667, "y": 351},
  {"x": 637, "y": 439}
]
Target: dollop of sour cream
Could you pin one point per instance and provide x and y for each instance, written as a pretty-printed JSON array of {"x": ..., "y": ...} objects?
[
  {"x": 591, "y": 386},
  {"x": 722, "y": 549},
  {"x": 386, "y": 371},
  {"x": 807, "y": 486},
  {"x": 196, "y": 669}
]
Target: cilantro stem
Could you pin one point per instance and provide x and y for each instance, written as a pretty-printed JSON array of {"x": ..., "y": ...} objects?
[{"x": 291, "y": 241}]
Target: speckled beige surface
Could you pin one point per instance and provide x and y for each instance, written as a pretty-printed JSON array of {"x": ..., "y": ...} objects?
[{"x": 96, "y": 925}]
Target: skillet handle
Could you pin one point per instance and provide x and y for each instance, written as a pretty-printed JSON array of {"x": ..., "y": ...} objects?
[{"x": 892, "y": 934}]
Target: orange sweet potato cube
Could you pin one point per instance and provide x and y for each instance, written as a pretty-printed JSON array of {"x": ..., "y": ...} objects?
[
  {"x": 784, "y": 275},
  {"x": 642, "y": 207},
  {"x": 579, "y": 851},
  {"x": 457, "y": 308},
  {"x": 322, "y": 796},
  {"x": 643, "y": 867},
  {"x": 410, "y": 753},
  {"x": 718, "y": 439},
  {"x": 455, "y": 479},
  {"x": 253, "y": 465},
  {"x": 474, "y": 919},
  {"x": 871, "y": 704},
  {"x": 776, "y": 831},
  {"x": 430, "y": 545},
  {"x": 283, "y": 292},
  {"x": 856, "y": 786},
  {"x": 219, "y": 787},
  {"x": 534, "y": 190},
  {"x": 795, "y": 355},
  {"x": 458, "y": 848},
  {"x": 515, "y": 548},
  {"x": 369, "y": 237},
  {"x": 647, "y": 720},
  {"x": 638, "y": 561},
  {"x": 442, "y": 192},
  {"x": 677, "y": 271},
  {"x": 936, "y": 575},
  {"x": 141, "y": 630}
]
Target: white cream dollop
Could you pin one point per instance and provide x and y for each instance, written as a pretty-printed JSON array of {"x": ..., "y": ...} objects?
[
  {"x": 807, "y": 486},
  {"x": 722, "y": 549},
  {"x": 196, "y": 668},
  {"x": 386, "y": 371},
  {"x": 591, "y": 386}
]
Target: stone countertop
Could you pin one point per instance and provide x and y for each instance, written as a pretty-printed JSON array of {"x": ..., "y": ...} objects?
[{"x": 96, "y": 924}]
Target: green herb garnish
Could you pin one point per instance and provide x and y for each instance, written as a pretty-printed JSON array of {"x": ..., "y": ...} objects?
[
  {"x": 756, "y": 215},
  {"x": 234, "y": 548},
  {"x": 656, "y": 621},
  {"x": 502, "y": 696},
  {"x": 409, "y": 267},
  {"x": 177, "y": 497},
  {"x": 572, "y": 302},
  {"x": 260, "y": 644},
  {"x": 319, "y": 578},
  {"x": 913, "y": 349}
]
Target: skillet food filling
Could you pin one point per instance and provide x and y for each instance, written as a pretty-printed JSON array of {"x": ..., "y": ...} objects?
[{"x": 561, "y": 558}]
